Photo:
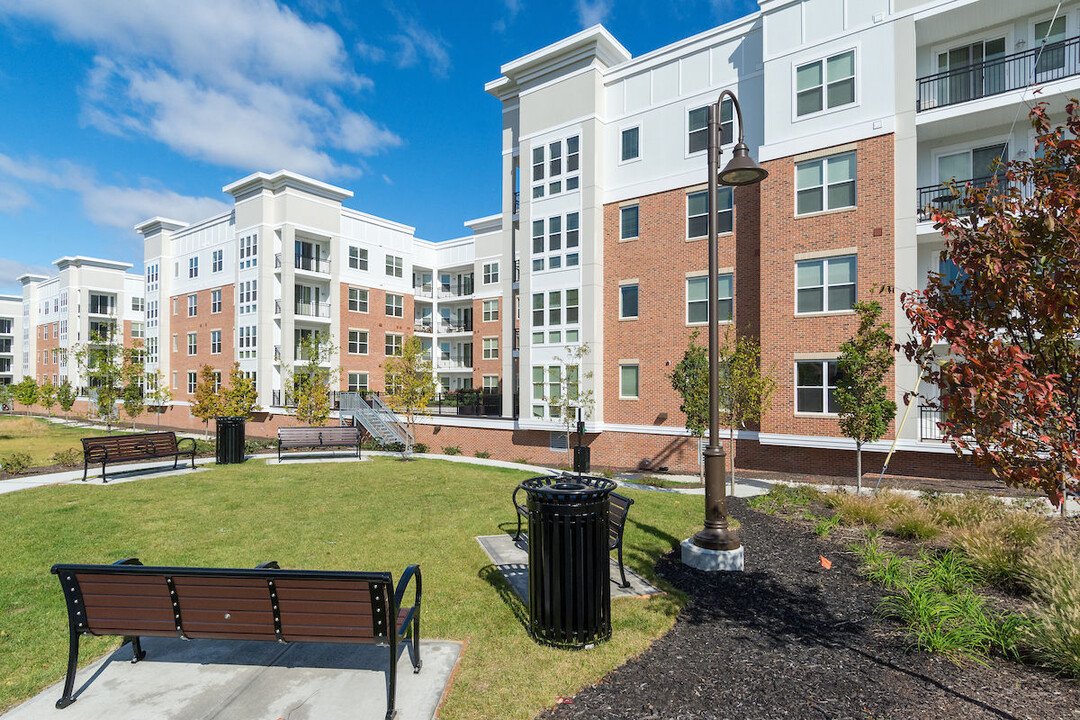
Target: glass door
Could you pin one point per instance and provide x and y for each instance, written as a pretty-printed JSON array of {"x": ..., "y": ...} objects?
[
  {"x": 1051, "y": 63},
  {"x": 973, "y": 71}
]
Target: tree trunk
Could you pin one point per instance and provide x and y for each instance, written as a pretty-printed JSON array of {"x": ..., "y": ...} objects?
[{"x": 858, "y": 466}]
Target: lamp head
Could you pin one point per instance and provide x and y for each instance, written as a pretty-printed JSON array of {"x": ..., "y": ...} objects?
[{"x": 741, "y": 169}]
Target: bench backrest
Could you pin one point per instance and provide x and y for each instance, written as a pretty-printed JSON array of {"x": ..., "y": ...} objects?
[
  {"x": 618, "y": 509},
  {"x": 233, "y": 604},
  {"x": 336, "y": 433},
  {"x": 119, "y": 446}
]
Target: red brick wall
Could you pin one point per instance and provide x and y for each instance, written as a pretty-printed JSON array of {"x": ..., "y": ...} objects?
[
  {"x": 201, "y": 324},
  {"x": 481, "y": 330},
  {"x": 44, "y": 366},
  {"x": 377, "y": 324}
]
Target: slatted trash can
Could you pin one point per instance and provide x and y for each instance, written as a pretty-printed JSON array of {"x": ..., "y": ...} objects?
[
  {"x": 569, "y": 584},
  {"x": 230, "y": 440}
]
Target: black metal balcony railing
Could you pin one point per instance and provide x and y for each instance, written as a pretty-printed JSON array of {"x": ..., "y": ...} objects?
[
  {"x": 928, "y": 423},
  {"x": 422, "y": 326},
  {"x": 466, "y": 402},
  {"x": 290, "y": 400},
  {"x": 423, "y": 290},
  {"x": 943, "y": 197},
  {"x": 312, "y": 309},
  {"x": 999, "y": 75},
  {"x": 455, "y": 327},
  {"x": 517, "y": 270},
  {"x": 319, "y": 265}
]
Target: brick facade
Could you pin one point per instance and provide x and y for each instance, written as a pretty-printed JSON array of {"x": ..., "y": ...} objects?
[
  {"x": 377, "y": 324},
  {"x": 202, "y": 324}
]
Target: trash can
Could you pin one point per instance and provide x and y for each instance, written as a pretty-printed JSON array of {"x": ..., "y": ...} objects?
[
  {"x": 230, "y": 440},
  {"x": 569, "y": 584}
]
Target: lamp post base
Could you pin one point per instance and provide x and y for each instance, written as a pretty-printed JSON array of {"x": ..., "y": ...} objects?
[{"x": 711, "y": 560}]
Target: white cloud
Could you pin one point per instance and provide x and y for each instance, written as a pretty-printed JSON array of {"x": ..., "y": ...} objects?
[
  {"x": 371, "y": 53},
  {"x": 513, "y": 8},
  {"x": 360, "y": 134},
  {"x": 13, "y": 198},
  {"x": 592, "y": 12},
  {"x": 10, "y": 270},
  {"x": 416, "y": 41}
]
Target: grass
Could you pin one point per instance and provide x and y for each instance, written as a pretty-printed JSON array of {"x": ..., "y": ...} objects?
[
  {"x": 377, "y": 515},
  {"x": 39, "y": 438},
  {"x": 1053, "y": 576},
  {"x": 785, "y": 496}
]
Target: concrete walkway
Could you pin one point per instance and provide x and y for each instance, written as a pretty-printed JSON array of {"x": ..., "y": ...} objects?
[{"x": 240, "y": 680}]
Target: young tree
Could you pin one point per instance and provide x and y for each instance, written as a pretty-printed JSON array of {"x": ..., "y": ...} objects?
[
  {"x": 101, "y": 363},
  {"x": 861, "y": 393},
  {"x": 65, "y": 395},
  {"x": 5, "y": 396},
  {"x": 240, "y": 398},
  {"x": 133, "y": 375},
  {"x": 158, "y": 394},
  {"x": 26, "y": 392},
  {"x": 1009, "y": 387},
  {"x": 690, "y": 378},
  {"x": 207, "y": 402},
  {"x": 47, "y": 396},
  {"x": 745, "y": 391},
  {"x": 413, "y": 383},
  {"x": 310, "y": 378},
  {"x": 571, "y": 397}
]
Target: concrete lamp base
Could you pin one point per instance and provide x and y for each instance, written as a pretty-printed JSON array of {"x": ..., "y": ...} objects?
[{"x": 711, "y": 560}]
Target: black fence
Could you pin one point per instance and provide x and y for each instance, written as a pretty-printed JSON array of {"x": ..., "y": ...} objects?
[{"x": 944, "y": 197}]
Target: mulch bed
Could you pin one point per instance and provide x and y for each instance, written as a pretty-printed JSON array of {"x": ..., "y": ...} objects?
[{"x": 789, "y": 639}]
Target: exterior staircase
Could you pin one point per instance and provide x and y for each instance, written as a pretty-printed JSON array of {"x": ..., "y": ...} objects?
[{"x": 373, "y": 415}]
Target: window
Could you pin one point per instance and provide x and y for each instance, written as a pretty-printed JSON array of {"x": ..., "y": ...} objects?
[
  {"x": 215, "y": 301},
  {"x": 561, "y": 160},
  {"x": 394, "y": 265},
  {"x": 393, "y": 344},
  {"x": 395, "y": 305},
  {"x": 825, "y": 285},
  {"x": 628, "y": 301},
  {"x": 215, "y": 342},
  {"x": 152, "y": 277},
  {"x": 697, "y": 298},
  {"x": 192, "y": 344},
  {"x": 630, "y": 143},
  {"x": 491, "y": 383},
  {"x": 102, "y": 304},
  {"x": 697, "y": 126},
  {"x": 551, "y": 310},
  {"x": 1052, "y": 57},
  {"x": 628, "y": 222},
  {"x": 815, "y": 386},
  {"x": 249, "y": 246},
  {"x": 193, "y": 267},
  {"x": 358, "y": 258},
  {"x": 491, "y": 310},
  {"x": 192, "y": 305},
  {"x": 192, "y": 382},
  {"x": 217, "y": 261},
  {"x": 556, "y": 248},
  {"x": 138, "y": 330},
  {"x": 137, "y": 304},
  {"x": 825, "y": 184},
  {"x": 246, "y": 341},
  {"x": 174, "y": 342},
  {"x": 358, "y": 382},
  {"x": 358, "y": 300},
  {"x": 697, "y": 214},
  {"x": 358, "y": 342},
  {"x": 628, "y": 381},
  {"x": 825, "y": 84},
  {"x": 249, "y": 293},
  {"x": 491, "y": 273},
  {"x": 491, "y": 348}
]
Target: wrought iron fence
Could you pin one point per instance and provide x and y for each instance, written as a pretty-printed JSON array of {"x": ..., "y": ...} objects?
[
  {"x": 467, "y": 403},
  {"x": 928, "y": 423},
  {"x": 943, "y": 197}
]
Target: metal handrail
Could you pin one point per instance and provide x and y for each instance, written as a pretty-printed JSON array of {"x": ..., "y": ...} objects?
[
  {"x": 929, "y": 418},
  {"x": 312, "y": 309},
  {"x": 942, "y": 197},
  {"x": 385, "y": 412},
  {"x": 306, "y": 262}
]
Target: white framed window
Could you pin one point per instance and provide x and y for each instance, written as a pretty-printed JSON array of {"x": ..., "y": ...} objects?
[
  {"x": 825, "y": 84},
  {"x": 394, "y": 266},
  {"x": 246, "y": 341},
  {"x": 395, "y": 305},
  {"x": 697, "y": 212},
  {"x": 628, "y": 222},
  {"x": 174, "y": 343},
  {"x": 560, "y": 162},
  {"x": 249, "y": 246},
  {"x": 558, "y": 247},
  {"x": 697, "y": 127},
  {"x": 697, "y": 298},
  {"x": 394, "y": 344},
  {"x": 248, "y": 295},
  {"x": 815, "y": 386},
  {"x": 215, "y": 301},
  {"x": 192, "y": 343},
  {"x": 628, "y": 301},
  {"x": 358, "y": 258},
  {"x": 358, "y": 342},
  {"x": 192, "y": 305},
  {"x": 630, "y": 144},
  {"x": 193, "y": 267},
  {"x": 491, "y": 273},
  {"x": 491, "y": 383},
  {"x": 491, "y": 310},
  {"x": 491, "y": 348},
  {"x": 137, "y": 304},
  {"x": 825, "y": 184},
  {"x": 825, "y": 285},
  {"x": 558, "y": 311},
  {"x": 217, "y": 261},
  {"x": 192, "y": 382},
  {"x": 358, "y": 300},
  {"x": 628, "y": 381},
  {"x": 215, "y": 342},
  {"x": 358, "y": 382}
]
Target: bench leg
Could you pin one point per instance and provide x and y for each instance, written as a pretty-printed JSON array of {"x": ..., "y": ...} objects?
[
  {"x": 85, "y": 469},
  {"x": 417, "y": 662},
  {"x": 192, "y": 459},
  {"x": 137, "y": 653},
  {"x": 103, "y": 479},
  {"x": 622, "y": 571},
  {"x": 391, "y": 687},
  {"x": 517, "y": 535},
  {"x": 73, "y": 664}
]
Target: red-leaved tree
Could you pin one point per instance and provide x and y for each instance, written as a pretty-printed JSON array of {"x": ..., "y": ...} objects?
[{"x": 1000, "y": 341}]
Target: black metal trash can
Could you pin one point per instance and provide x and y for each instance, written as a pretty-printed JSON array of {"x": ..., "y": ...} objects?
[
  {"x": 569, "y": 583},
  {"x": 230, "y": 440}
]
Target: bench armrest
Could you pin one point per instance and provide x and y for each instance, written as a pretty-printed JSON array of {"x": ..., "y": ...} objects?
[
  {"x": 403, "y": 582},
  {"x": 96, "y": 453},
  {"x": 128, "y": 561},
  {"x": 268, "y": 565},
  {"x": 513, "y": 498},
  {"x": 190, "y": 440}
]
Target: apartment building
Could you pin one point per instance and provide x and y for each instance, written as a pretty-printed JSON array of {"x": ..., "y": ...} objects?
[
  {"x": 10, "y": 334},
  {"x": 87, "y": 298}
]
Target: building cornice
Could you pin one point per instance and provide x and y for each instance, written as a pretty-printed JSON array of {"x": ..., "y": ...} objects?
[{"x": 276, "y": 183}]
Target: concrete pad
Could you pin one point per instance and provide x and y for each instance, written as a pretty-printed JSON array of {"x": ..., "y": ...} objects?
[
  {"x": 711, "y": 560},
  {"x": 241, "y": 680},
  {"x": 512, "y": 560}
]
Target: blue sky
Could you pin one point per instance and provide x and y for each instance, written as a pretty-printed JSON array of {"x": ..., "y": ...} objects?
[{"x": 118, "y": 110}]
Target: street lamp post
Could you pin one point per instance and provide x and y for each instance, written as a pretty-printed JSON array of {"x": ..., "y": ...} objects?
[{"x": 716, "y": 546}]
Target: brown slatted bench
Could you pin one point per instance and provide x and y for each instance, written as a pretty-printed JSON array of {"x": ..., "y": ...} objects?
[
  {"x": 318, "y": 437},
  {"x": 140, "y": 446},
  {"x": 265, "y": 603},
  {"x": 618, "y": 510}
]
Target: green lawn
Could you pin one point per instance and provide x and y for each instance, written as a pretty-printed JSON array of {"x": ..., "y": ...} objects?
[
  {"x": 378, "y": 515},
  {"x": 40, "y": 438}
]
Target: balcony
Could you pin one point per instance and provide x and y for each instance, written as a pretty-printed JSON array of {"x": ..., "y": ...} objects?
[
  {"x": 461, "y": 292},
  {"x": 943, "y": 197},
  {"x": 453, "y": 363},
  {"x": 276, "y": 400},
  {"x": 303, "y": 262},
  {"x": 999, "y": 75},
  {"x": 312, "y": 309},
  {"x": 466, "y": 402},
  {"x": 928, "y": 423},
  {"x": 422, "y": 326},
  {"x": 446, "y": 328},
  {"x": 422, "y": 291},
  {"x": 5, "y": 346}
]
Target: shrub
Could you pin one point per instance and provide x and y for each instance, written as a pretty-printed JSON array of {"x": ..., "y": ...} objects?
[
  {"x": 1053, "y": 636},
  {"x": 205, "y": 447},
  {"x": 991, "y": 552},
  {"x": 419, "y": 448},
  {"x": 452, "y": 450},
  {"x": 14, "y": 463},
  {"x": 522, "y": 461},
  {"x": 71, "y": 456},
  {"x": 964, "y": 510},
  {"x": 858, "y": 509},
  {"x": 915, "y": 523},
  {"x": 482, "y": 454}
]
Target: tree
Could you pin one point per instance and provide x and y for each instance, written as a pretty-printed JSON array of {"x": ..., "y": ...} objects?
[
  {"x": 413, "y": 383},
  {"x": 861, "y": 393},
  {"x": 26, "y": 392},
  {"x": 690, "y": 378},
  {"x": 309, "y": 379},
  {"x": 47, "y": 396},
  {"x": 745, "y": 392},
  {"x": 158, "y": 394},
  {"x": 240, "y": 398},
  {"x": 1007, "y": 380},
  {"x": 5, "y": 396},
  {"x": 571, "y": 397},
  {"x": 133, "y": 374},
  {"x": 207, "y": 402},
  {"x": 101, "y": 363},
  {"x": 65, "y": 395}
]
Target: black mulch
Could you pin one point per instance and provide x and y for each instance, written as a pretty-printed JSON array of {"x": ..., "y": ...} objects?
[{"x": 789, "y": 639}]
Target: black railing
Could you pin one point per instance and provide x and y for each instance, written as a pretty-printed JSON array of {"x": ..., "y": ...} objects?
[
  {"x": 290, "y": 401},
  {"x": 999, "y": 75},
  {"x": 305, "y": 262},
  {"x": 312, "y": 309},
  {"x": 466, "y": 402},
  {"x": 944, "y": 197},
  {"x": 928, "y": 423}
]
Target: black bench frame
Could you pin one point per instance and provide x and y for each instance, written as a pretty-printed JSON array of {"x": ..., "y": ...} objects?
[
  {"x": 618, "y": 510},
  {"x": 321, "y": 443},
  {"x": 96, "y": 449},
  {"x": 388, "y": 628}
]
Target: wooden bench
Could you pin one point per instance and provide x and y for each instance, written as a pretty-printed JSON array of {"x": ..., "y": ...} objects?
[
  {"x": 618, "y": 510},
  {"x": 140, "y": 446},
  {"x": 265, "y": 603},
  {"x": 318, "y": 437}
]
